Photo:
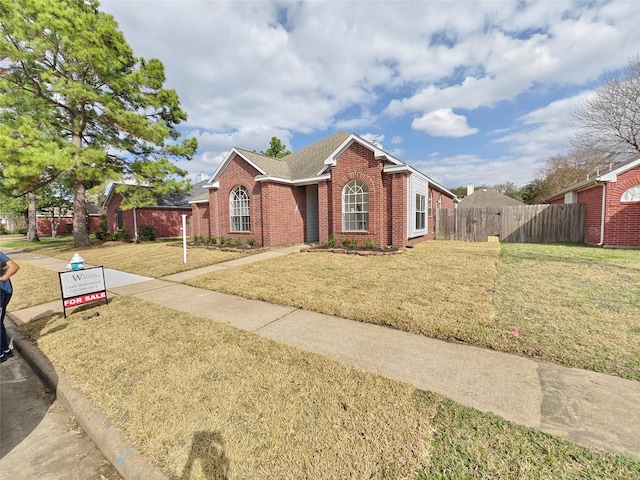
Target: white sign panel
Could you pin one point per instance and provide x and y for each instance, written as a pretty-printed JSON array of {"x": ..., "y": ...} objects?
[
  {"x": 82, "y": 286},
  {"x": 80, "y": 282}
]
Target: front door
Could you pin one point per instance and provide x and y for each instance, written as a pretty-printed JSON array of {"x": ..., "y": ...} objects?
[{"x": 313, "y": 230}]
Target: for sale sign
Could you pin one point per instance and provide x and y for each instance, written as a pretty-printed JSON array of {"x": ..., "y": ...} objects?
[{"x": 80, "y": 287}]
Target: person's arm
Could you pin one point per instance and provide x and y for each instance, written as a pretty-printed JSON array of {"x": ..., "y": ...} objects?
[{"x": 12, "y": 268}]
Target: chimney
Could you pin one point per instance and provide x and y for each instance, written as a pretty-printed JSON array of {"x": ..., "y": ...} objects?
[
  {"x": 469, "y": 189},
  {"x": 203, "y": 176}
]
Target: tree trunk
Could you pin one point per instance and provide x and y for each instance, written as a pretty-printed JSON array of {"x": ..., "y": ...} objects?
[
  {"x": 80, "y": 232},
  {"x": 32, "y": 220}
]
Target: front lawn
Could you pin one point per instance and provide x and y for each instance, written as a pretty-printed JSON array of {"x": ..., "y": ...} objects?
[
  {"x": 204, "y": 400},
  {"x": 571, "y": 304},
  {"x": 150, "y": 259}
]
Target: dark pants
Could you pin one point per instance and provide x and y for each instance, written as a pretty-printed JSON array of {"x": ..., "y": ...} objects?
[{"x": 4, "y": 301}]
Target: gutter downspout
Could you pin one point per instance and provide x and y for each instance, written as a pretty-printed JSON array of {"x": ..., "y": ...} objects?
[{"x": 602, "y": 214}]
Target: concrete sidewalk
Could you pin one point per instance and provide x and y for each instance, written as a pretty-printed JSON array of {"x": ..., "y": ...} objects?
[
  {"x": 589, "y": 408},
  {"x": 38, "y": 438}
]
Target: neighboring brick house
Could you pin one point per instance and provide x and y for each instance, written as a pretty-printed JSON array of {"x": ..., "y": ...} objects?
[
  {"x": 165, "y": 216},
  {"x": 65, "y": 222},
  {"x": 612, "y": 202},
  {"x": 342, "y": 186}
]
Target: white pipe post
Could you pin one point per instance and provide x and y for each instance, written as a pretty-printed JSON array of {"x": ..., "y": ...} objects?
[
  {"x": 135, "y": 225},
  {"x": 184, "y": 237}
]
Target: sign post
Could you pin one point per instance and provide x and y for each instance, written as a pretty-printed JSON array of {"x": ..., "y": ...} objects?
[
  {"x": 184, "y": 238},
  {"x": 80, "y": 287}
]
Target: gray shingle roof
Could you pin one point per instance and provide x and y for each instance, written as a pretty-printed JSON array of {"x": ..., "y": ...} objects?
[
  {"x": 487, "y": 198},
  {"x": 304, "y": 163},
  {"x": 182, "y": 199},
  {"x": 274, "y": 167}
]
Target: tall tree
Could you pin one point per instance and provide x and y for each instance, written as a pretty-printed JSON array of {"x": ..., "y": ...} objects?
[
  {"x": 276, "y": 149},
  {"x": 610, "y": 119},
  {"x": 109, "y": 106},
  {"x": 29, "y": 151}
]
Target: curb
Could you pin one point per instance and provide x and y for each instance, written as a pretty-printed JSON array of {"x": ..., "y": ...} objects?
[{"x": 111, "y": 441}]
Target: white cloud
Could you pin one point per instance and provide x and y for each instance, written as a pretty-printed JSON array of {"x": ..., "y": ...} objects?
[
  {"x": 373, "y": 137},
  {"x": 546, "y": 131},
  {"x": 460, "y": 170},
  {"x": 246, "y": 71},
  {"x": 443, "y": 123}
]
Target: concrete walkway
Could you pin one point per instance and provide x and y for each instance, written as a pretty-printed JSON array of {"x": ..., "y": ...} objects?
[{"x": 589, "y": 408}]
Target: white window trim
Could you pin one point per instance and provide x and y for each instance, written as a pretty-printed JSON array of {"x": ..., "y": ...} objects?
[
  {"x": 631, "y": 194},
  {"x": 240, "y": 208},
  {"x": 365, "y": 211},
  {"x": 417, "y": 186}
]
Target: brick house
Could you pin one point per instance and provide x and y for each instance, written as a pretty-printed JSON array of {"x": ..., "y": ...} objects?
[
  {"x": 165, "y": 215},
  {"x": 612, "y": 201},
  {"x": 341, "y": 186},
  {"x": 64, "y": 223}
]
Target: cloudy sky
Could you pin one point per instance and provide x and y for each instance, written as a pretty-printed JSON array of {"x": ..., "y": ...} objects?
[{"x": 464, "y": 91}]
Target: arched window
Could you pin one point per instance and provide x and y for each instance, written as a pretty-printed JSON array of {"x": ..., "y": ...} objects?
[
  {"x": 239, "y": 209},
  {"x": 355, "y": 207},
  {"x": 631, "y": 195}
]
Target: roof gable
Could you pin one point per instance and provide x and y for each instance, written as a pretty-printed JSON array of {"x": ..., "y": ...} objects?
[
  {"x": 299, "y": 165},
  {"x": 378, "y": 152}
]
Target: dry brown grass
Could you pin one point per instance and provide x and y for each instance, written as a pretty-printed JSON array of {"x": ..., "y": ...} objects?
[
  {"x": 183, "y": 387},
  {"x": 575, "y": 305},
  {"x": 34, "y": 286},
  {"x": 148, "y": 258},
  {"x": 207, "y": 401},
  {"x": 441, "y": 289}
]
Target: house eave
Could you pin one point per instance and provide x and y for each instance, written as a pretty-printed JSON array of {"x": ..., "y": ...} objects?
[
  {"x": 608, "y": 177},
  {"x": 297, "y": 182},
  {"x": 578, "y": 187},
  {"x": 398, "y": 169}
]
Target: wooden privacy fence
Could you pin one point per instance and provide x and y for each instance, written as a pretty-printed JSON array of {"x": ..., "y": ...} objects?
[{"x": 520, "y": 224}]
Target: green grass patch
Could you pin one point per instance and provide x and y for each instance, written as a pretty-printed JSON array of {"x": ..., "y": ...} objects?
[{"x": 574, "y": 305}]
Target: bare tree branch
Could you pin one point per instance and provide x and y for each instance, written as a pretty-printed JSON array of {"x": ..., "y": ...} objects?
[{"x": 609, "y": 121}]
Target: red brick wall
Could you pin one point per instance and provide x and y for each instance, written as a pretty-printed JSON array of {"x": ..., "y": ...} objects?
[
  {"x": 592, "y": 198},
  {"x": 112, "y": 208},
  {"x": 283, "y": 214},
  {"x": 167, "y": 221},
  {"x": 357, "y": 162},
  {"x": 622, "y": 222},
  {"x": 237, "y": 172},
  {"x": 325, "y": 214},
  {"x": 44, "y": 225},
  {"x": 200, "y": 218},
  {"x": 398, "y": 207}
]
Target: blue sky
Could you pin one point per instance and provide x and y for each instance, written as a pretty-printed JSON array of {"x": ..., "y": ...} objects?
[{"x": 464, "y": 91}]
